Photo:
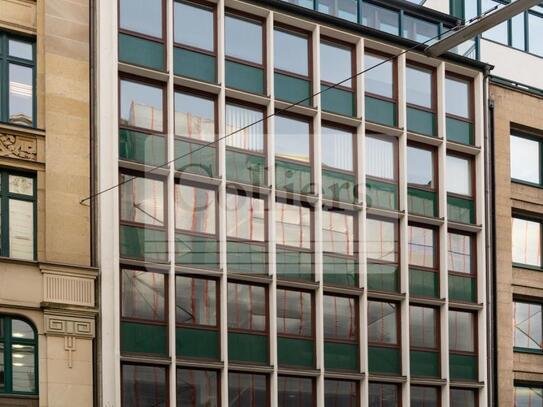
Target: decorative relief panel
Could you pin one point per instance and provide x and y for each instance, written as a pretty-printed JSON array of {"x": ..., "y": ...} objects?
[
  {"x": 69, "y": 326},
  {"x": 18, "y": 147},
  {"x": 68, "y": 290}
]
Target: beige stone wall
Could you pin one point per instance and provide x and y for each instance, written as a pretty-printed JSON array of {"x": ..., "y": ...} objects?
[
  {"x": 56, "y": 291},
  {"x": 520, "y": 109}
]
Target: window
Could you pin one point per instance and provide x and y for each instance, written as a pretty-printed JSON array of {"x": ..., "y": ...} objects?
[
  {"x": 525, "y": 159},
  {"x": 194, "y": 26},
  {"x": 141, "y": 106},
  {"x": 195, "y": 209},
  {"x": 380, "y": 18},
  {"x": 528, "y": 396},
  {"x": 247, "y": 389},
  {"x": 380, "y": 81},
  {"x": 245, "y": 217},
  {"x": 420, "y": 87},
  {"x": 18, "y": 228},
  {"x": 381, "y": 171},
  {"x": 384, "y": 395},
  {"x": 295, "y": 391},
  {"x": 195, "y": 117},
  {"x": 291, "y": 52},
  {"x": 423, "y": 327},
  {"x": 345, "y": 9},
  {"x": 340, "y": 318},
  {"x": 459, "y": 175},
  {"x": 518, "y": 31},
  {"x": 382, "y": 240},
  {"x": 337, "y": 148},
  {"x": 535, "y": 33},
  {"x": 422, "y": 246},
  {"x": 498, "y": 33},
  {"x": 461, "y": 331},
  {"x": 141, "y": 16},
  {"x": 247, "y": 310},
  {"x": 142, "y": 200},
  {"x": 293, "y": 225},
  {"x": 526, "y": 241},
  {"x": 292, "y": 141},
  {"x": 528, "y": 321},
  {"x": 383, "y": 323},
  {"x": 458, "y": 97},
  {"x": 197, "y": 387},
  {"x": 337, "y": 69},
  {"x": 18, "y": 356},
  {"x": 17, "y": 64},
  {"x": 143, "y": 296},
  {"x": 340, "y": 393},
  {"x": 420, "y": 167},
  {"x": 460, "y": 258},
  {"x": 196, "y": 301},
  {"x": 425, "y": 396},
  {"x": 294, "y": 313},
  {"x": 463, "y": 398},
  {"x": 243, "y": 39},
  {"x": 144, "y": 385},
  {"x": 419, "y": 30},
  {"x": 245, "y": 135},
  {"x": 338, "y": 232}
]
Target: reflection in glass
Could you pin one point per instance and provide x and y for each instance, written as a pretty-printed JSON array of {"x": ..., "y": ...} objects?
[
  {"x": 246, "y": 307},
  {"x": 142, "y": 200},
  {"x": 526, "y": 396},
  {"x": 461, "y": 331},
  {"x": 380, "y": 18},
  {"x": 294, "y": 313},
  {"x": 21, "y": 95},
  {"x": 21, "y": 229},
  {"x": 194, "y": 25},
  {"x": 421, "y": 246},
  {"x": 419, "y": 30},
  {"x": 535, "y": 33},
  {"x": 420, "y": 167},
  {"x": 141, "y": 106},
  {"x": 243, "y": 39},
  {"x": 20, "y": 49},
  {"x": 195, "y": 301},
  {"x": 383, "y": 395},
  {"x": 141, "y": 16},
  {"x": 419, "y": 86},
  {"x": 197, "y": 388},
  {"x": 245, "y": 126},
  {"x": 340, "y": 318},
  {"x": 245, "y": 389},
  {"x": 500, "y": 32},
  {"x": 340, "y": 393},
  {"x": 457, "y": 97},
  {"x": 424, "y": 396},
  {"x": 337, "y": 232},
  {"x": 381, "y": 240},
  {"x": 291, "y": 138},
  {"x": 144, "y": 385},
  {"x": 194, "y": 209},
  {"x": 422, "y": 327},
  {"x": 380, "y": 158},
  {"x": 295, "y": 391},
  {"x": 463, "y": 398},
  {"x": 290, "y": 52},
  {"x": 379, "y": 80},
  {"x": 459, "y": 257},
  {"x": 23, "y": 368},
  {"x": 292, "y": 225},
  {"x": 337, "y": 148},
  {"x": 21, "y": 185},
  {"x": 525, "y": 160},
  {"x": 528, "y": 319},
  {"x": 336, "y": 64},
  {"x": 194, "y": 117},
  {"x": 21, "y": 330},
  {"x": 142, "y": 295},
  {"x": 382, "y": 323},
  {"x": 245, "y": 217},
  {"x": 526, "y": 242},
  {"x": 345, "y": 9},
  {"x": 518, "y": 32},
  {"x": 458, "y": 175}
]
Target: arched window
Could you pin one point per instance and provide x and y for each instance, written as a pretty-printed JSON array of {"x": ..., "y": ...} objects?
[{"x": 18, "y": 356}]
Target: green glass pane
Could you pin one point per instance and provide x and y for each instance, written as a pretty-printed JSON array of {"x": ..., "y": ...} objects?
[
  {"x": 295, "y": 265},
  {"x": 142, "y": 148},
  {"x": 462, "y": 288},
  {"x": 423, "y": 283},
  {"x": 292, "y": 89},
  {"x": 341, "y": 356},
  {"x": 459, "y": 131},
  {"x": 195, "y": 158},
  {"x": 422, "y": 202},
  {"x": 337, "y": 101},
  {"x": 246, "y": 258},
  {"x": 381, "y": 195},
  {"x": 293, "y": 177},
  {"x": 245, "y": 168},
  {"x": 244, "y": 77},
  {"x": 143, "y": 243},
  {"x": 244, "y": 347},
  {"x": 338, "y": 186},
  {"x": 460, "y": 210},
  {"x": 463, "y": 367},
  {"x": 138, "y": 51},
  {"x": 295, "y": 352},
  {"x": 381, "y": 111},
  {"x": 197, "y": 343},
  {"x": 143, "y": 338},
  {"x": 457, "y": 8},
  {"x": 424, "y": 364},
  {"x": 384, "y": 360},
  {"x": 339, "y": 271},
  {"x": 196, "y": 251},
  {"x": 383, "y": 277},
  {"x": 194, "y": 65},
  {"x": 421, "y": 121}
]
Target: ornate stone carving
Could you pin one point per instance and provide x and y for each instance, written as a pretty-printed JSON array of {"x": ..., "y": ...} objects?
[
  {"x": 69, "y": 326},
  {"x": 18, "y": 147}
]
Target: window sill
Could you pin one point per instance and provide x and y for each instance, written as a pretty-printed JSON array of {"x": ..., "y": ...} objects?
[
  {"x": 527, "y": 350},
  {"x": 526, "y": 183},
  {"x": 527, "y": 267},
  {"x": 14, "y": 128}
]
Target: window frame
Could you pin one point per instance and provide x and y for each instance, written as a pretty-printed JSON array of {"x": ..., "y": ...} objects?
[
  {"x": 435, "y": 169},
  {"x": 334, "y": 42},
  {"x": 351, "y": 381},
  {"x": 206, "y": 187},
  {"x": 204, "y": 5},
  {"x": 312, "y": 337},
  {"x": 303, "y": 204},
  {"x": 164, "y": 368},
  {"x": 5, "y": 61},
  {"x": 354, "y": 215},
  {"x": 396, "y": 223},
  {"x": 517, "y": 384},
  {"x": 436, "y": 247},
  {"x": 395, "y": 158},
  {"x": 473, "y": 254},
  {"x": 254, "y": 19},
  {"x": 398, "y": 327},
  {"x": 396, "y": 385},
  {"x": 294, "y": 31},
  {"x": 7, "y": 340},
  {"x": 310, "y": 139},
  {"x": 313, "y": 385},
  {"x": 356, "y": 307},
  {"x": 218, "y": 385},
  {"x": 410, "y": 64},
  {"x": 250, "y": 106},
  {"x": 471, "y": 179},
  {"x": 528, "y": 301},
  {"x": 217, "y": 326},
  {"x": 438, "y": 388},
  {"x": 471, "y": 97},
  {"x": 474, "y": 391},
  {"x": 437, "y": 331},
  {"x": 394, "y": 61},
  {"x": 266, "y": 331},
  {"x": 474, "y": 326},
  {"x": 232, "y": 190},
  {"x": 243, "y": 372},
  {"x": 530, "y": 218},
  {"x": 531, "y": 137},
  {"x": 354, "y": 143}
]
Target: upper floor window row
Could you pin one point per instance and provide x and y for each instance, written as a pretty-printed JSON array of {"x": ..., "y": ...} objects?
[
  {"x": 17, "y": 74},
  {"x": 526, "y": 158}
]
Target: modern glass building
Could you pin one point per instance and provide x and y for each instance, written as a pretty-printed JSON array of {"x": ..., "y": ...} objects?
[{"x": 288, "y": 232}]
